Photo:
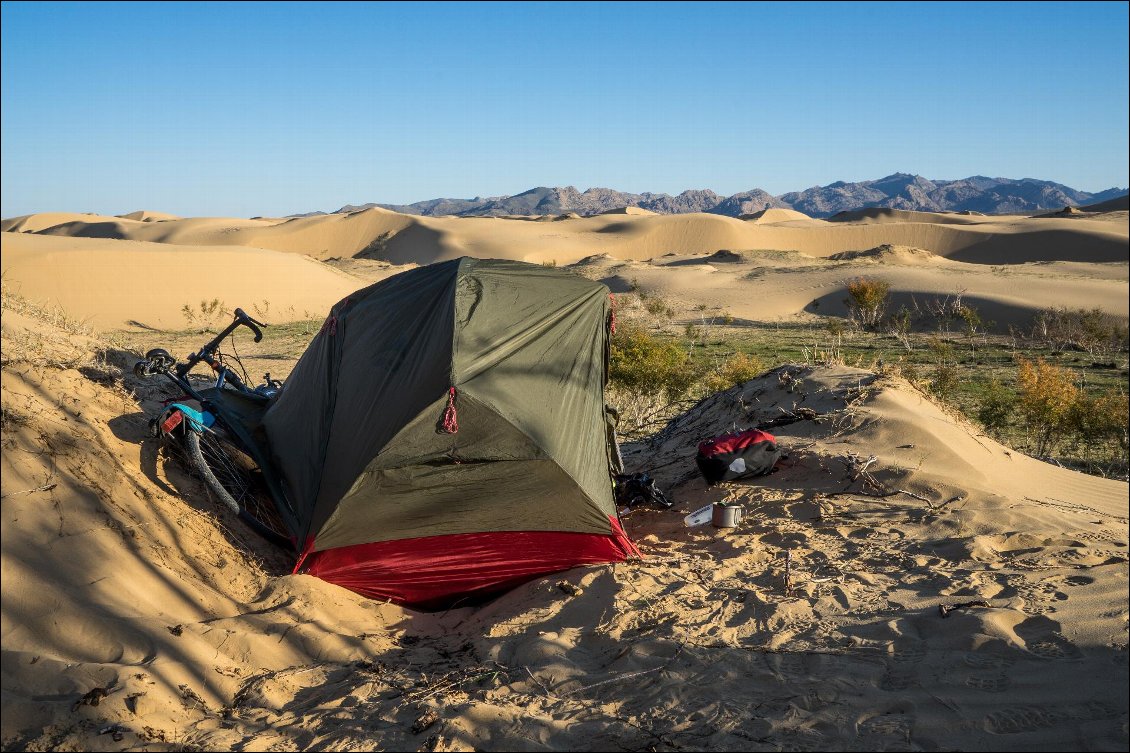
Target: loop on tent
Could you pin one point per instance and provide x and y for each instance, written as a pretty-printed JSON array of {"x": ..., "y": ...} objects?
[
  {"x": 612, "y": 315},
  {"x": 450, "y": 418},
  {"x": 331, "y": 320}
]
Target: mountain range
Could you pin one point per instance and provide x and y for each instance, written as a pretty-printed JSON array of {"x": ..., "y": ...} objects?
[{"x": 898, "y": 191}]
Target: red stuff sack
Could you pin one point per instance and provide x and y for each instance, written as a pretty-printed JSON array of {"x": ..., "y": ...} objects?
[{"x": 732, "y": 456}]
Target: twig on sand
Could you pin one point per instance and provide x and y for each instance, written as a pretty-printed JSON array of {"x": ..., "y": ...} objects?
[
  {"x": 618, "y": 678},
  {"x": 614, "y": 679},
  {"x": 945, "y": 609},
  {"x": 857, "y": 466},
  {"x": 885, "y": 495},
  {"x": 788, "y": 572},
  {"x": 537, "y": 682},
  {"x": 44, "y": 488}
]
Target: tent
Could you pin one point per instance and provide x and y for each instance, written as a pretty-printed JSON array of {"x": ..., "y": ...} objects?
[{"x": 445, "y": 434}]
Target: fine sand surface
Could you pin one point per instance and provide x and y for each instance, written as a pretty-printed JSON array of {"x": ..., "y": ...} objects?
[
  {"x": 113, "y": 284},
  {"x": 775, "y": 265},
  {"x": 134, "y": 615},
  {"x": 137, "y": 614},
  {"x": 629, "y": 235}
]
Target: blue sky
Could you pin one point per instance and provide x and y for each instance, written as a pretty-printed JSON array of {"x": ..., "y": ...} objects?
[{"x": 276, "y": 108}]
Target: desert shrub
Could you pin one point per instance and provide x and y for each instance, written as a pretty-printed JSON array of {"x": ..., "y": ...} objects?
[
  {"x": 737, "y": 369},
  {"x": 1046, "y": 394},
  {"x": 206, "y": 315},
  {"x": 649, "y": 379},
  {"x": 945, "y": 382},
  {"x": 974, "y": 325},
  {"x": 941, "y": 351},
  {"x": 659, "y": 311},
  {"x": 1094, "y": 331},
  {"x": 642, "y": 362},
  {"x": 835, "y": 327},
  {"x": 899, "y": 325},
  {"x": 868, "y": 300},
  {"x": 1100, "y": 422},
  {"x": 909, "y": 370},
  {"x": 996, "y": 407}
]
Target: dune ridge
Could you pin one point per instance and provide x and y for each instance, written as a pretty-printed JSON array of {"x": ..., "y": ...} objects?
[
  {"x": 401, "y": 238},
  {"x": 774, "y": 266},
  {"x": 111, "y": 283}
]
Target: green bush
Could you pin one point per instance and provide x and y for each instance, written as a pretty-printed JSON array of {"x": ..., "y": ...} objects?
[
  {"x": 642, "y": 362},
  {"x": 737, "y": 369},
  {"x": 997, "y": 405},
  {"x": 1047, "y": 394},
  {"x": 868, "y": 300},
  {"x": 1100, "y": 422}
]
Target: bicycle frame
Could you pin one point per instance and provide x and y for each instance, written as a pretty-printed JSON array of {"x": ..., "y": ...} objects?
[{"x": 211, "y": 400}]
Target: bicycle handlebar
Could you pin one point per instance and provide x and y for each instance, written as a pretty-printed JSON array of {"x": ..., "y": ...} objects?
[
  {"x": 241, "y": 317},
  {"x": 205, "y": 353}
]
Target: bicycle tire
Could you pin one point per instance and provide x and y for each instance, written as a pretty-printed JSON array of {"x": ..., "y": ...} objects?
[{"x": 215, "y": 459}]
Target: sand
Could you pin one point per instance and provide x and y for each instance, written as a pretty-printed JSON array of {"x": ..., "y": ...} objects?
[
  {"x": 138, "y": 614},
  {"x": 787, "y": 265},
  {"x": 115, "y": 284},
  {"x": 636, "y": 235}
]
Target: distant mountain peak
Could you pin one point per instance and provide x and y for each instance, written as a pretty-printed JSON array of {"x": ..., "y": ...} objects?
[{"x": 909, "y": 191}]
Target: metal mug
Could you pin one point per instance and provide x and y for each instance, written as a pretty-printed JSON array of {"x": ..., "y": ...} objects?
[{"x": 726, "y": 516}]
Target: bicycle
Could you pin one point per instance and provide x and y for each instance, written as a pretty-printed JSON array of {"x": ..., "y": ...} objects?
[{"x": 221, "y": 440}]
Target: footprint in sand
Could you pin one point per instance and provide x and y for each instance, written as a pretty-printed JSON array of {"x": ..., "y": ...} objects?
[
  {"x": 902, "y": 669},
  {"x": 983, "y": 660},
  {"x": 1055, "y": 648},
  {"x": 886, "y": 732},
  {"x": 1018, "y": 719},
  {"x": 997, "y": 683}
]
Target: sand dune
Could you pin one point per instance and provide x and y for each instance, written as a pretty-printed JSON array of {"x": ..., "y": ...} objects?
[
  {"x": 774, "y": 215},
  {"x": 775, "y": 286},
  {"x": 1121, "y": 204},
  {"x": 401, "y": 239},
  {"x": 887, "y": 215},
  {"x": 147, "y": 216},
  {"x": 776, "y": 266},
  {"x": 35, "y": 223},
  {"x": 111, "y": 283},
  {"x": 636, "y": 211},
  {"x": 134, "y": 608}
]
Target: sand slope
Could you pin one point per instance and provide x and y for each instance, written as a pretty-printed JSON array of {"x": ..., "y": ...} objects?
[
  {"x": 112, "y": 283},
  {"x": 774, "y": 266},
  {"x": 409, "y": 239},
  {"x": 774, "y": 286},
  {"x": 147, "y": 216},
  {"x": 121, "y": 576}
]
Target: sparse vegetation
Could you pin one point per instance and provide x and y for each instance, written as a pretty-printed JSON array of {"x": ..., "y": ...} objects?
[
  {"x": 868, "y": 300},
  {"x": 1094, "y": 331},
  {"x": 643, "y": 363},
  {"x": 1046, "y": 394},
  {"x": 982, "y": 382},
  {"x": 737, "y": 369},
  {"x": 207, "y": 315}
]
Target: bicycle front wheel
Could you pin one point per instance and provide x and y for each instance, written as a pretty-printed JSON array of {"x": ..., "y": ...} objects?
[{"x": 231, "y": 476}]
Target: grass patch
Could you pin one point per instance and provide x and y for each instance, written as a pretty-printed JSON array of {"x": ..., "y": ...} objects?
[{"x": 979, "y": 378}]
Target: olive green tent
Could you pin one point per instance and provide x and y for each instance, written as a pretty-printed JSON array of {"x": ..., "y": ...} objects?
[{"x": 445, "y": 434}]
